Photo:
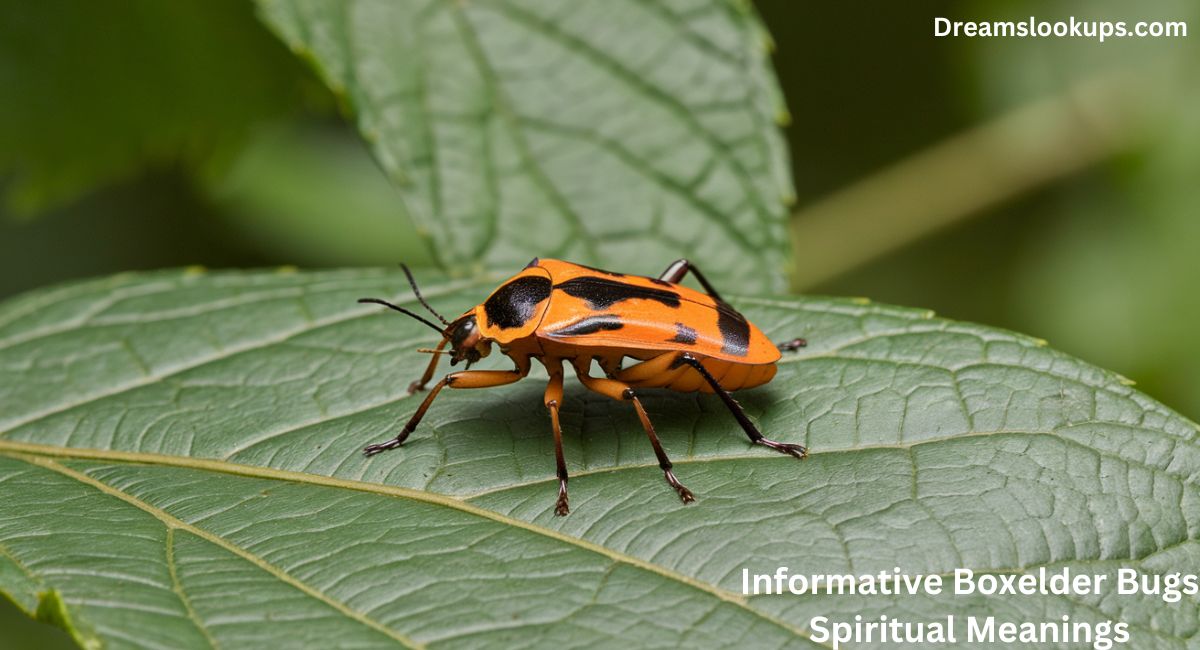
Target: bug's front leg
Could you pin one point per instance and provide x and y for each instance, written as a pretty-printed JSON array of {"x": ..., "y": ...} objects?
[
  {"x": 463, "y": 379},
  {"x": 424, "y": 380}
]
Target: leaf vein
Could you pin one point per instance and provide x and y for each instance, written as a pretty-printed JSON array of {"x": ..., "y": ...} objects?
[{"x": 170, "y": 521}]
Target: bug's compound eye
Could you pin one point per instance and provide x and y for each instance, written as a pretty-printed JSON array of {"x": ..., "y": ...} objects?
[
  {"x": 464, "y": 333},
  {"x": 465, "y": 341}
]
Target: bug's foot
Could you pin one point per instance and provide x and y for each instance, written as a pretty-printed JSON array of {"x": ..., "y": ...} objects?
[
  {"x": 685, "y": 495},
  {"x": 796, "y": 451},
  {"x": 794, "y": 344},
  {"x": 380, "y": 447},
  {"x": 416, "y": 387},
  {"x": 560, "y": 507}
]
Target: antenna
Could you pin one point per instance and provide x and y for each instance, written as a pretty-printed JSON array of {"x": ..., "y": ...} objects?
[
  {"x": 402, "y": 310},
  {"x": 417, "y": 291}
]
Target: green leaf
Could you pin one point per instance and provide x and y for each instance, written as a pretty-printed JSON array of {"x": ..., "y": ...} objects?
[
  {"x": 281, "y": 190},
  {"x": 96, "y": 92},
  {"x": 594, "y": 125},
  {"x": 180, "y": 467}
]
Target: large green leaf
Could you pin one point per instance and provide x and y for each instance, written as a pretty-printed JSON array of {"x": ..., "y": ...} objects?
[
  {"x": 180, "y": 467},
  {"x": 592, "y": 124}
]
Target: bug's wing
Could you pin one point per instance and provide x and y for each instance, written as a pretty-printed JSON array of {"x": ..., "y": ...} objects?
[{"x": 636, "y": 313}]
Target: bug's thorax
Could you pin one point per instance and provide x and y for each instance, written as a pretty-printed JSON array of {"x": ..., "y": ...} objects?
[{"x": 515, "y": 309}]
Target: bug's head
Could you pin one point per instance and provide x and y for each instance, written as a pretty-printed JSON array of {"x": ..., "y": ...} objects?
[{"x": 466, "y": 343}]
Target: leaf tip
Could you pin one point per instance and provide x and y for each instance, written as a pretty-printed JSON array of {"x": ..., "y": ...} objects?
[
  {"x": 301, "y": 51},
  {"x": 768, "y": 43},
  {"x": 53, "y": 611},
  {"x": 1041, "y": 343}
]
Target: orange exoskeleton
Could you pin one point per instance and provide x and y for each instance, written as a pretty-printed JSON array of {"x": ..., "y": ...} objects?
[{"x": 555, "y": 312}]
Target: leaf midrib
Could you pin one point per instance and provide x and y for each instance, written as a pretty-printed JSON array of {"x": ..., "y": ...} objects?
[
  {"x": 41, "y": 454},
  {"x": 649, "y": 91},
  {"x": 173, "y": 523},
  {"x": 506, "y": 113}
]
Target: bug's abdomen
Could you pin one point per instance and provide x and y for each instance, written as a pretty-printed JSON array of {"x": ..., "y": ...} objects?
[{"x": 665, "y": 372}]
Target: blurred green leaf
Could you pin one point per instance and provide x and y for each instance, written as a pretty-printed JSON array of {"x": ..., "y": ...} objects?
[
  {"x": 180, "y": 461},
  {"x": 1111, "y": 273},
  {"x": 96, "y": 91},
  {"x": 316, "y": 197},
  {"x": 1011, "y": 72},
  {"x": 26, "y": 634},
  {"x": 612, "y": 133}
]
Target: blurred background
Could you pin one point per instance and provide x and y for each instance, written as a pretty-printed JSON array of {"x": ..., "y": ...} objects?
[{"x": 1049, "y": 186}]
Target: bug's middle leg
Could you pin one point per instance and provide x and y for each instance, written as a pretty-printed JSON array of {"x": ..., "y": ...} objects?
[
  {"x": 553, "y": 397},
  {"x": 624, "y": 392},
  {"x": 420, "y": 384}
]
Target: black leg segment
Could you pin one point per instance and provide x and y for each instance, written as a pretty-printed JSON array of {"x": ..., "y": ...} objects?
[
  {"x": 679, "y": 268},
  {"x": 462, "y": 379},
  {"x": 664, "y": 463},
  {"x": 792, "y": 345},
  {"x": 752, "y": 432}
]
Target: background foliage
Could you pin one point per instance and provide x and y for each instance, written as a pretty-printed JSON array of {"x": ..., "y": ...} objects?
[
  {"x": 1089, "y": 259},
  {"x": 120, "y": 126}
]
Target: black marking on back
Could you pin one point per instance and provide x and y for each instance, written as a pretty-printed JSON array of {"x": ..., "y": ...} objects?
[
  {"x": 601, "y": 271},
  {"x": 735, "y": 330},
  {"x": 513, "y": 304},
  {"x": 590, "y": 325},
  {"x": 602, "y": 293},
  {"x": 684, "y": 335}
]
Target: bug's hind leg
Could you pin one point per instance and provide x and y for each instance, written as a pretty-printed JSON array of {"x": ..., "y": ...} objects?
[
  {"x": 792, "y": 345},
  {"x": 623, "y": 392},
  {"x": 553, "y": 397},
  {"x": 752, "y": 431},
  {"x": 679, "y": 268}
]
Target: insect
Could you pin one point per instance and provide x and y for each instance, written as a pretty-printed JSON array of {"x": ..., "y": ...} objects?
[{"x": 557, "y": 312}]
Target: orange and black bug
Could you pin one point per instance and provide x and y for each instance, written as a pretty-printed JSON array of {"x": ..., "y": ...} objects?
[{"x": 556, "y": 312}]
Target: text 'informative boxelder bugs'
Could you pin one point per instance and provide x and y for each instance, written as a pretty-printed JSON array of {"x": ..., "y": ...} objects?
[{"x": 556, "y": 311}]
